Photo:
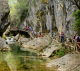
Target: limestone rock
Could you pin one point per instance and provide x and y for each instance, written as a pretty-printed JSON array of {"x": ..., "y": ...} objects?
[
  {"x": 3, "y": 45},
  {"x": 23, "y": 40},
  {"x": 4, "y": 16},
  {"x": 69, "y": 62},
  {"x": 4, "y": 22},
  {"x": 54, "y": 14},
  {"x": 37, "y": 43}
]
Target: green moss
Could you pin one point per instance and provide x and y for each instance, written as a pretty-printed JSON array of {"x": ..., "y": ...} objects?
[
  {"x": 33, "y": 45},
  {"x": 4, "y": 37},
  {"x": 42, "y": 48}
]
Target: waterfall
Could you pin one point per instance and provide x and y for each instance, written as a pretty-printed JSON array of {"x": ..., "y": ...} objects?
[{"x": 12, "y": 39}]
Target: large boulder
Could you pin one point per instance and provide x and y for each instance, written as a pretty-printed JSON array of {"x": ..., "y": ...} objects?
[
  {"x": 23, "y": 40},
  {"x": 37, "y": 43}
]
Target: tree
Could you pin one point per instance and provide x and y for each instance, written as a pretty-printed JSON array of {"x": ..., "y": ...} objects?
[{"x": 18, "y": 10}]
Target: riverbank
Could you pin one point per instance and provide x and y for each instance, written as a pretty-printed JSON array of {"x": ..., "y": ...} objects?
[
  {"x": 69, "y": 62},
  {"x": 68, "y": 59},
  {"x": 49, "y": 47}
]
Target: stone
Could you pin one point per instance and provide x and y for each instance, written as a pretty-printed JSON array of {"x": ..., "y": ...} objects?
[
  {"x": 69, "y": 62},
  {"x": 4, "y": 16},
  {"x": 3, "y": 45},
  {"x": 4, "y": 22},
  {"x": 23, "y": 40},
  {"x": 37, "y": 43}
]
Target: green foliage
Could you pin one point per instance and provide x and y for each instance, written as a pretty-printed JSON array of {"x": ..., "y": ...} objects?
[
  {"x": 61, "y": 53},
  {"x": 76, "y": 70},
  {"x": 4, "y": 37},
  {"x": 11, "y": 34},
  {"x": 76, "y": 26},
  {"x": 18, "y": 11}
]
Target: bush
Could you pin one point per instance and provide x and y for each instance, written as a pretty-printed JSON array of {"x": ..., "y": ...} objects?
[
  {"x": 61, "y": 53},
  {"x": 18, "y": 11},
  {"x": 76, "y": 25}
]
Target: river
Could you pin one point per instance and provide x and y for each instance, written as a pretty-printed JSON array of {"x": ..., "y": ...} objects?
[{"x": 17, "y": 60}]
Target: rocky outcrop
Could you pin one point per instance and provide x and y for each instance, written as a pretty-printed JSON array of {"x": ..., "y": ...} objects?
[
  {"x": 23, "y": 40},
  {"x": 63, "y": 10},
  {"x": 51, "y": 15},
  {"x": 69, "y": 62},
  {"x": 4, "y": 22},
  {"x": 37, "y": 43},
  {"x": 3, "y": 45},
  {"x": 4, "y": 16}
]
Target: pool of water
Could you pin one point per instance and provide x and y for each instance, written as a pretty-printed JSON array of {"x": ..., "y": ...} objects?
[{"x": 17, "y": 60}]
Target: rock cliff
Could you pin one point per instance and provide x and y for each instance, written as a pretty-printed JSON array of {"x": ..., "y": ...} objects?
[
  {"x": 4, "y": 21},
  {"x": 51, "y": 15},
  {"x": 4, "y": 16}
]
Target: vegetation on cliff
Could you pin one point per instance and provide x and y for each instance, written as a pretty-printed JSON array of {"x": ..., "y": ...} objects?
[
  {"x": 77, "y": 20},
  {"x": 77, "y": 16},
  {"x": 18, "y": 10}
]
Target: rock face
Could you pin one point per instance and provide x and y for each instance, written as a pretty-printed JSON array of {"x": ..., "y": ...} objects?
[
  {"x": 4, "y": 16},
  {"x": 4, "y": 21},
  {"x": 63, "y": 10},
  {"x": 51, "y": 15}
]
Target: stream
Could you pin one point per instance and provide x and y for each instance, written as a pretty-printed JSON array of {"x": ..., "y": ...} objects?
[{"x": 17, "y": 60}]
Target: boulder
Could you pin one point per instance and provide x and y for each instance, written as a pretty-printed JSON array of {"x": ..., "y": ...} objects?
[
  {"x": 37, "y": 43},
  {"x": 69, "y": 62},
  {"x": 3, "y": 45},
  {"x": 23, "y": 40}
]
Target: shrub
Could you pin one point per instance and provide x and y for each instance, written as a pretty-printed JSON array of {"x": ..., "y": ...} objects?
[
  {"x": 76, "y": 25},
  {"x": 61, "y": 53}
]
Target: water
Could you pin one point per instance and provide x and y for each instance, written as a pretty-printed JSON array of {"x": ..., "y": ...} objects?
[{"x": 17, "y": 60}]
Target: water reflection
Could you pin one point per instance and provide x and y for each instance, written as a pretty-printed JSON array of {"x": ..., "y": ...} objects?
[{"x": 17, "y": 60}]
